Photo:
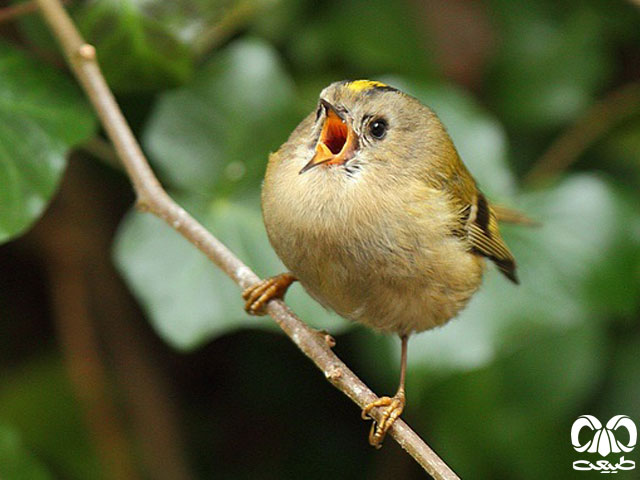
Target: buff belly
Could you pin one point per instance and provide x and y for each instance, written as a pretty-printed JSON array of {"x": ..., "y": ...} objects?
[
  {"x": 387, "y": 291},
  {"x": 386, "y": 302},
  {"x": 391, "y": 264}
]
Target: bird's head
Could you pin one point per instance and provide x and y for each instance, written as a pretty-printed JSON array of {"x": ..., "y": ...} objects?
[{"x": 367, "y": 122}]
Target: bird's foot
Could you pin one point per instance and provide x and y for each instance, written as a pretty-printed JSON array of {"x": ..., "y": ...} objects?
[
  {"x": 257, "y": 296},
  {"x": 393, "y": 407}
]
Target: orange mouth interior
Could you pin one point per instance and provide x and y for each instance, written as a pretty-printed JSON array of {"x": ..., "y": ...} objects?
[
  {"x": 336, "y": 145},
  {"x": 334, "y": 133}
]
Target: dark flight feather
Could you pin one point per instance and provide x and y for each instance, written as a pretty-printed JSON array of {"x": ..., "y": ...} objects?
[{"x": 484, "y": 235}]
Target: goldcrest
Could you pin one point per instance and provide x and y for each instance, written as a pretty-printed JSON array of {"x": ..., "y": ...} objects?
[{"x": 371, "y": 209}]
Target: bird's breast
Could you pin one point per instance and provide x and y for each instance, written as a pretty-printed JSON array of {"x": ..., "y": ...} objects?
[{"x": 384, "y": 257}]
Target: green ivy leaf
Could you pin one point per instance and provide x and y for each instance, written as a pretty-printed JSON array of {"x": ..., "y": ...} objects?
[
  {"x": 136, "y": 53},
  {"x": 202, "y": 24},
  {"x": 189, "y": 300},
  {"x": 146, "y": 45},
  {"x": 216, "y": 133},
  {"x": 42, "y": 115}
]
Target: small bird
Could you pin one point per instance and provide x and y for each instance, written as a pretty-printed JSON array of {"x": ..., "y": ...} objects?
[{"x": 371, "y": 209}]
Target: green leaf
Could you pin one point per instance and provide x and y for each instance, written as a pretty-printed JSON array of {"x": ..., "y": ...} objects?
[
  {"x": 16, "y": 462},
  {"x": 202, "y": 24},
  {"x": 136, "y": 53},
  {"x": 159, "y": 38},
  {"x": 215, "y": 134},
  {"x": 189, "y": 300},
  {"x": 42, "y": 115}
]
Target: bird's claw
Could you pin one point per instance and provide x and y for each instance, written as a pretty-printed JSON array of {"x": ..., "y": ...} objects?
[
  {"x": 393, "y": 407},
  {"x": 257, "y": 296}
]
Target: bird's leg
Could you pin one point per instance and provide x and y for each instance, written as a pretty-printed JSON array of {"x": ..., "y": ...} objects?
[
  {"x": 393, "y": 406},
  {"x": 258, "y": 295}
]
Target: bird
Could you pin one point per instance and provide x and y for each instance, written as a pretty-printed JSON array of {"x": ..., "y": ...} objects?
[{"x": 370, "y": 207}]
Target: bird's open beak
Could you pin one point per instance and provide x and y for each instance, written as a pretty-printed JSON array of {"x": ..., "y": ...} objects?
[{"x": 337, "y": 143}]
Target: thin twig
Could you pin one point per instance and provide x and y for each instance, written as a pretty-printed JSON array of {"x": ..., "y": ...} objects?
[
  {"x": 511, "y": 215},
  {"x": 595, "y": 122},
  {"x": 234, "y": 17},
  {"x": 103, "y": 151},
  {"x": 12, "y": 12},
  {"x": 152, "y": 198}
]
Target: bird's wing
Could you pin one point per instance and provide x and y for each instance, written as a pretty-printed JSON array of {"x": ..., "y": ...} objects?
[
  {"x": 484, "y": 236},
  {"x": 477, "y": 223}
]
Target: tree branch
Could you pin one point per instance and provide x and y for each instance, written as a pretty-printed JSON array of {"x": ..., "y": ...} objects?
[
  {"x": 11, "y": 12},
  {"x": 151, "y": 197},
  {"x": 596, "y": 121}
]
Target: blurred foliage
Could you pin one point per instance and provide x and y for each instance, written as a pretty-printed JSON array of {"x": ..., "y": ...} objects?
[
  {"x": 551, "y": 65},
  {"x": 15, "y": 462},
  {"x": 198, "y": 134},
  {"x": 496, "y": 390},
  {"x": 36, "y": 400},
  {"x": 346, "y": 36},
  {"x": 154, "y": 58}
]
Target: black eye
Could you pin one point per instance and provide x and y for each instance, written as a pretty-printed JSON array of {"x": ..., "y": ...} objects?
[{"x": 378, "y": 128}]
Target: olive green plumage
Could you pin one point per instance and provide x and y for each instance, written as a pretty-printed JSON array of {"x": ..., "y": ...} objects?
[
  {"x": 390, "y": 232},
  {"x": 370, "y": 207}
]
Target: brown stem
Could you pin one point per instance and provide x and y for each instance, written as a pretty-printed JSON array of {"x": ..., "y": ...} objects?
[
  {"x": 12, "y": 12},
  {"x": 152, "y": 198},
  {"x": 511, "y": 215},
  {"x": 65, "y": 245},
  {"x": 600, "y": 118},
  {"x": 86, "y": 371},
  {"x": 103, "y": 151},
  {"x": 149, "y": 400},
  {"x": 233, "y": 18}
]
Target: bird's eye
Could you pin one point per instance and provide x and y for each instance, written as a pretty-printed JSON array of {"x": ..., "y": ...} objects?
[{"x": 378, "y": 128}]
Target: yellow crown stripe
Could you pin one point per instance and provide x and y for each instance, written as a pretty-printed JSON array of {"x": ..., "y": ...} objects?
[{"x": 362, "y": 85}]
